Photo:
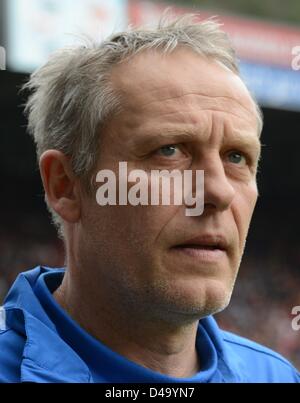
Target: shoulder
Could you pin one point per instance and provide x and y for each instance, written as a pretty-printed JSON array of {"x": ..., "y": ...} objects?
[
  {"x": 11, "y": 347},
  {"x": 260, "y": 363}
]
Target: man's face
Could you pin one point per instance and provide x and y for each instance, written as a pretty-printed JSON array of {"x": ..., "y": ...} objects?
[{"x": 153, "y": 257}]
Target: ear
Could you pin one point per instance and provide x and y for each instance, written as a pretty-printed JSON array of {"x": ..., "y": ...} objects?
[{"x": 60, "y": 184}]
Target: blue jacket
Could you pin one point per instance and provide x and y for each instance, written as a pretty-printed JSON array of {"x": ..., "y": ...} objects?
[{"x": 31, "y": 350}]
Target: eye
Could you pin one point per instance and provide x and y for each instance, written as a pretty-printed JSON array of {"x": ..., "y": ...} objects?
[
  {"x": 168, "y": 150},
  {"x": 236, "y": 157}
]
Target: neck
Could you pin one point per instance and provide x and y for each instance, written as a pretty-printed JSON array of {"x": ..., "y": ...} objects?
[{"x": 167, "y": 348}]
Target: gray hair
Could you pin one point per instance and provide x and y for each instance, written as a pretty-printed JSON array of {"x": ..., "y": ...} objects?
[{"x": 72, "y": 95}]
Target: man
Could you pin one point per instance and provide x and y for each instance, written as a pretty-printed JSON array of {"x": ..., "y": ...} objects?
[{"x": 141, "y": 281}]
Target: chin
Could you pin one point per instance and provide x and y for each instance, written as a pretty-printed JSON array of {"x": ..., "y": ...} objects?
[{"x": 199, "y": 299}]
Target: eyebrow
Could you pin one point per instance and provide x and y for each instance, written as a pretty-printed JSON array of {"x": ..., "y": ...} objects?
[
  {"x": 167, "y": 136},
  {"x": 245, "y": 141}
]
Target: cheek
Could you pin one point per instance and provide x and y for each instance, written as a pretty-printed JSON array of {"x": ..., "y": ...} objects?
[
  {"x": 146, "y": 223},
  {"x": 130, "y": 229},
  {"x": 242, "y": 208}
]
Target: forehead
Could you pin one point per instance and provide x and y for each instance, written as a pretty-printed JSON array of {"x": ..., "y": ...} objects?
[{"x": 153, "y": 82}]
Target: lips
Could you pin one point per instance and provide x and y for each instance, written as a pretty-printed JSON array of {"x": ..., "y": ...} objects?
[
  {"x": 205, "y": 249},
  {"x": 208, "y": 242},
  {"x": 193, "y": 246}
]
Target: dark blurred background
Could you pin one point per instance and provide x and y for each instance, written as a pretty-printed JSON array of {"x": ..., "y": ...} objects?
[{"x": 265, "y": 34}]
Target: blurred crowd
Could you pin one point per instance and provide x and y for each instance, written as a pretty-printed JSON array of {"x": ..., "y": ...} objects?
[
  {"x": 261, "y": 305},
  {"x": 266, "y": 290}
]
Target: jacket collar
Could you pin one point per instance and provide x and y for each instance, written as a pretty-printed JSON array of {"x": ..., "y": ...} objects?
[
  {"x": 230, "y": 364},
  {"x": 25, "y": 315}
]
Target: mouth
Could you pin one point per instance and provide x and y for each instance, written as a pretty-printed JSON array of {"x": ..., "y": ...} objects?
[
  {"x": 206, "y": 248},
  {"x": 195, "y": 246}
]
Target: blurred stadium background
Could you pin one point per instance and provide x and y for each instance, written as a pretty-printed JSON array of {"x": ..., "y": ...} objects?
[{"x": 266, "y": 35}]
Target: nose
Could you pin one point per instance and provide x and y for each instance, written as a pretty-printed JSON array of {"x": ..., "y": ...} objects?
[{"x": 218, "y": 190}]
